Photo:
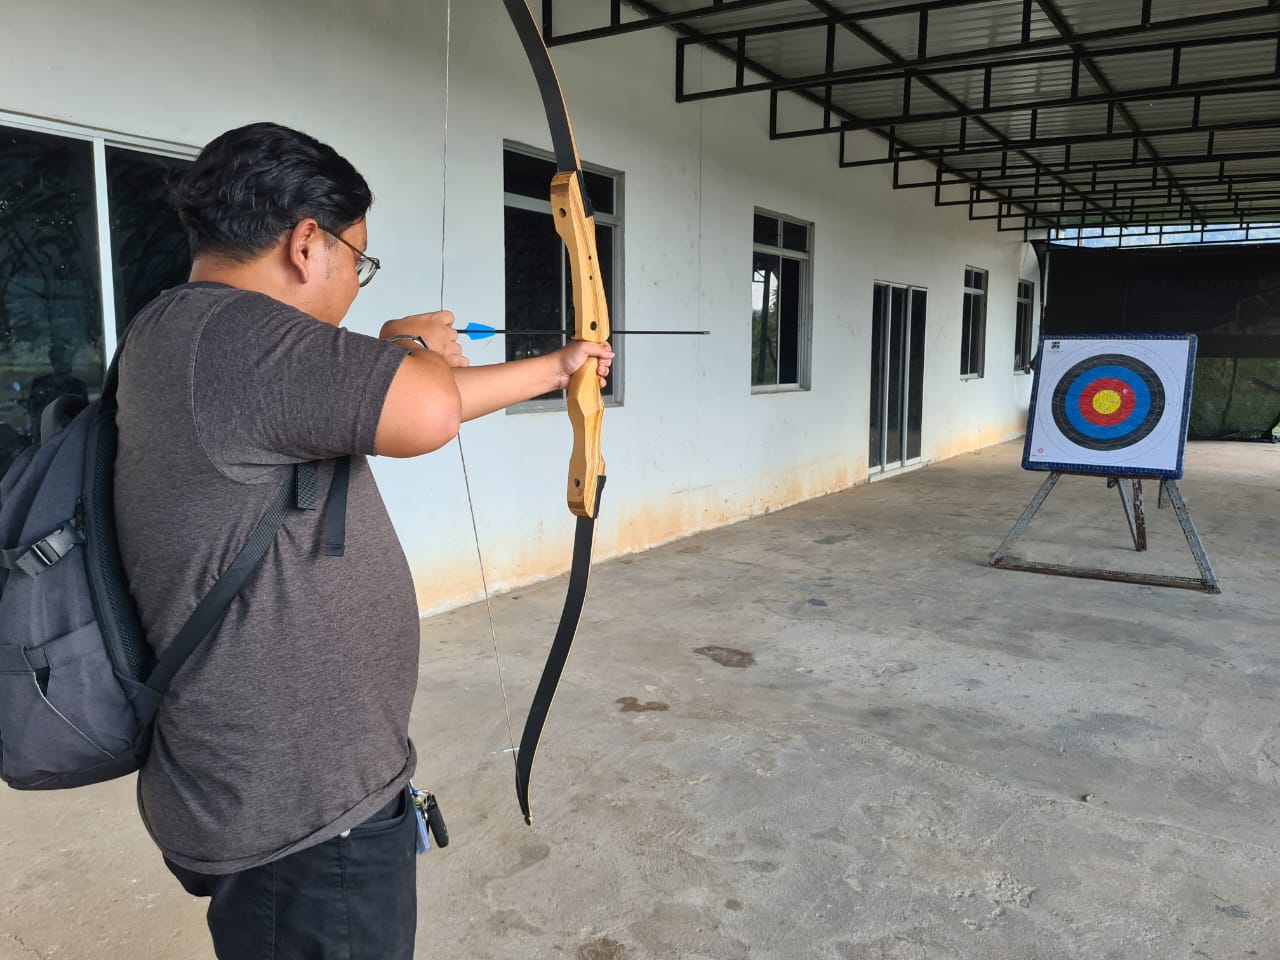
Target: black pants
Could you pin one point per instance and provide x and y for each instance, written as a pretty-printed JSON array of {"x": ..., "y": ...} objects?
[{"x": 352, "y": 897}]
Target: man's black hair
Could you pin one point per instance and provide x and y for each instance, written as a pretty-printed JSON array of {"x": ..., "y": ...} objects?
[{"x": 252, "y": 184}]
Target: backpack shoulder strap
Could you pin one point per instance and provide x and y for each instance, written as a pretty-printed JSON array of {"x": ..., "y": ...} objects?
[
  {"x": 209, "y": 611},
  {"x": 336, "y": 513}
]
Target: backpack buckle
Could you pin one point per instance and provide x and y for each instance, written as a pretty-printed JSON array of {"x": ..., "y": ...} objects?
[{"x": 47, "y": 551}]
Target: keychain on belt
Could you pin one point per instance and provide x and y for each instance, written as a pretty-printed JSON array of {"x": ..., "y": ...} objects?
[{"x": 426, "y": 813}]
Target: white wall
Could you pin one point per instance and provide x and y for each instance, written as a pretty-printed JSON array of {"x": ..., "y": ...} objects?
[{"x": 691, "y": 447}]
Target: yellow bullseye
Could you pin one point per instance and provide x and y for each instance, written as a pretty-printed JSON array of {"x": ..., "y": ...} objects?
[{"x": 1106, "y": 402}]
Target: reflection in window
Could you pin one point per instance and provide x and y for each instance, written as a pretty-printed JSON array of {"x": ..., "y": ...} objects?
[
  {"x": 50, "y": 314},
  {"x": 539, "y": 288},
  {"x": 51, "y": 310},
  {"x": 148, "y": 246},
  {"x": 780, "y": 293}
]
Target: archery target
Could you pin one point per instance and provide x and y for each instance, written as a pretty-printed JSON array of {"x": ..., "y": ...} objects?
[{"x": 1109, "y": 405}]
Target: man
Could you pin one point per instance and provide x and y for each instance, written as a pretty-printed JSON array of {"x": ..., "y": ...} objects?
[{"x": 276, "y": 783}]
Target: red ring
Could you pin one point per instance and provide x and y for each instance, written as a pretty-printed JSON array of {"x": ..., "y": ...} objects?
[{"x": 1127, "y": 402}]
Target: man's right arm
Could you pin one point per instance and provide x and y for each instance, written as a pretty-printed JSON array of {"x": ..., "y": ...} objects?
[{"x": 423, "y": 409}]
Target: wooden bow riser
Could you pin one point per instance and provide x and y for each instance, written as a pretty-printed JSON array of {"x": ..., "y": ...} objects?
[{"x": 591, "y": 322}]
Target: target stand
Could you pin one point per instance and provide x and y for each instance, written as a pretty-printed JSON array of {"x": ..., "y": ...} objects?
[
  {"x": 1131, "y": 498},
  {"x": 1113, "y": 407}
]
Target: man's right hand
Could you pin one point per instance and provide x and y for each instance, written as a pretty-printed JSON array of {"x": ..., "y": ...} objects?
[{"x": 435, "y": 329}]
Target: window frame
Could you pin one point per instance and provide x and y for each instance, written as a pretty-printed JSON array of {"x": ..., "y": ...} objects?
[
  {"x": 804, "y": 327},
  {"x": 974, "y": 295},
  {"x": 617, "y": 307},
  {"x": 99, "y": 141}
]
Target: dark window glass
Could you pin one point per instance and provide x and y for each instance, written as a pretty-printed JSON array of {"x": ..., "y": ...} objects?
[
  {"x": 766, "y": 300},
  {"x": 148, "y": 246},
  {"x": 915, "y": 374},
  {"x": 795, "y": 236},
  {"x": 531, "y": 177},
  {"x": 973, "y": 324},
  {"x": 534, "y": 285},
  {"x": 525, "y": 175},
  {"x": 977, "y": 332},
  {"x": 50, "y": 283},
  {"x": 1022, "y": 331},
  {"x": 765, "y": 230},
  {"x": 600, "y": 190},
  {"x": 879, "y": 300},
  {"x": 897, "y": 355},
  {"x": 539, "y": 294},
  {"x": 789, "y": 323}
]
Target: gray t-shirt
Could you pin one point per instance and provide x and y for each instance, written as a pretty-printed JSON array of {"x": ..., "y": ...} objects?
[{"x": 290, "y": 723}]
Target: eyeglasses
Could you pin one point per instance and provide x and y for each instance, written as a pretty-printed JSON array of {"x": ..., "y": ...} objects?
[{"x": 366, "y": 266}]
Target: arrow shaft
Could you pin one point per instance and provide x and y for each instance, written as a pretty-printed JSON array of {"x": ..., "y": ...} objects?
[{"x": 486, "y": 332}]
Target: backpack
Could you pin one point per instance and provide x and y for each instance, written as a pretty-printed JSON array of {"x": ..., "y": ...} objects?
[{"x": 79, "y": 684}]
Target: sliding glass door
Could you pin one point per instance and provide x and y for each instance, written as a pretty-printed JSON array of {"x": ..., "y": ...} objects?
[{"x": 897, "y": 375}]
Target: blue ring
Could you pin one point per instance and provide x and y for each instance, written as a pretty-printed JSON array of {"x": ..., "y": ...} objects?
[{"x": 1141, "y": 405}]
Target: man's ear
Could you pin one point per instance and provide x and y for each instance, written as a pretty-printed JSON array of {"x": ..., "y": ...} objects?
[{"x": 303, "y": 249}]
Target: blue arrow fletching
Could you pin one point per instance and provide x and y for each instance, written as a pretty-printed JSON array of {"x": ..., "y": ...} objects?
[{"x": 477, "y": 331}]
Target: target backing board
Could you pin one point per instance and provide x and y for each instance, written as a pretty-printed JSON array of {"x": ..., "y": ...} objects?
[{"x": 1111, "y": 405}]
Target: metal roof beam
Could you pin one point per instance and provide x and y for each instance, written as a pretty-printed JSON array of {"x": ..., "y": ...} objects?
[
  {"x": 1146, "y": 221},
  {"x": 1004, "y": 55},
  {"x": 1050, "y": 9},
  {"x": 1031, "y": 207},
  {"x": 957, "y": 149},
  {"x": 1114, "y": 193},
  {"x": 884, "y": 50},
  {"x": 1096, "y": 166},
  {"x": 1129, "y": 184},
  {"x": 1222, "y": 86},
  {"x": 654, "y": 18},
  {"x": 1215, "y": 210},
  {"x": 743, "y": 63},
  {"x": 988, "y": 66},
  {"x": 658, "y": 18},
  {"x": 1163, "y": 230}
]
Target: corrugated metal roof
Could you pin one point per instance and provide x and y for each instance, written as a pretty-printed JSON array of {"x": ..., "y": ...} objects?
[{"x": 1135, "y": 112}]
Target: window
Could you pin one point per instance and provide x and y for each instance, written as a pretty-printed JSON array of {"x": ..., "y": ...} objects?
[
  {"x": 539, "y": 291},
  {"x": 1023, "y": 344},
  {"x": 781, "y": 294},
  {"x": 62, "y": 302},
  {"x": 973, "y": 327}
]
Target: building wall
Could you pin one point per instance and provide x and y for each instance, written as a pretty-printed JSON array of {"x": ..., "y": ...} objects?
[{"x": 691, "y": 447}]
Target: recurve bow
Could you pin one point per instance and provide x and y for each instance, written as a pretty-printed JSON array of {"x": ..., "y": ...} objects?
[{"x": 575, "y": 223}]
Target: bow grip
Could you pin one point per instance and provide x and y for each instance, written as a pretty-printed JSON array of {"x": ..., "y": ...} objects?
[{"x": 591, "y": 322}]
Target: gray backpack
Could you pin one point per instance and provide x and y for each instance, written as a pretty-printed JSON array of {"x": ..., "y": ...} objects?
[{"x": 79, "y": 684}]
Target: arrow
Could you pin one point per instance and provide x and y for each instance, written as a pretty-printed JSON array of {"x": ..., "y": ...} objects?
[{"x": 482, "y": 331}]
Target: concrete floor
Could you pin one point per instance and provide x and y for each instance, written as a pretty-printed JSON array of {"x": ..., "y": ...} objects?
[{"x": 830, "y": 732}]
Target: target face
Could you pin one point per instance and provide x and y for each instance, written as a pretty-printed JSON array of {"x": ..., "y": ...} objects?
[
  {"x": 1112, "y": 406},
  {"x": 1108, "y": 402}
]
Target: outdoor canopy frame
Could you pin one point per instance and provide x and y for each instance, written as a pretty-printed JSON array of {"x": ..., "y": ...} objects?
[{"x": 1153, "y": 118}]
